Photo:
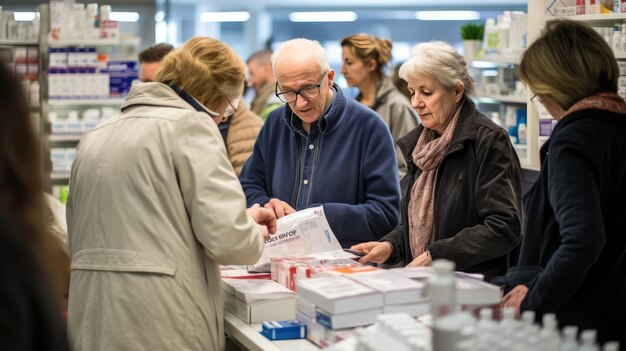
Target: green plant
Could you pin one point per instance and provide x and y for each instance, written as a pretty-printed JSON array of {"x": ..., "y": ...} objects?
[{"x": 472, "y": 31}]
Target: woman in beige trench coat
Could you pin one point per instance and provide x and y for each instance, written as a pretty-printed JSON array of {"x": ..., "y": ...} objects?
[{"x": 154, "y": 207}]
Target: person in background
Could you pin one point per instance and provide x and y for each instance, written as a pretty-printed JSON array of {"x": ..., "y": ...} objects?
[
  {"x": 572, "y": 259},
  {"x": 364, "y": 57},
  {"x": 32, "y": 264},
  {"x": 400, "y": 83},
  {"x": 239, "y": 133},
  {"x": 150, "y": 60},
  {"x": 462, "y": 193},
  {"x": 322, "y": 148},
  {"x": 154, "y": 208},
  {"x": 261, "y": 78}
]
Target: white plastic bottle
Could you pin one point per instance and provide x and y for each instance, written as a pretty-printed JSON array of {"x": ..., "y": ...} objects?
[
  {"x": 504, "y": 27},
  {"x": 617, "y": 39},
  {"x": 588, "y": 341},
  {"x": 442, "y": 289},
  {"x": 528, "y": 319},
  {"x": 622, "y": 43},
  {"x": 611, "y": 346},
  {"x": 569, "y": 340},
  {"x": 508, "y": 324},
  {"x": 490, "y": 42},
  {"x": 549, "y": 334}
]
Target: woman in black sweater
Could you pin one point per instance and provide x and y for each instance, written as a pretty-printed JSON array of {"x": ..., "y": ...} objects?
[{"x": 573, "y": 256}]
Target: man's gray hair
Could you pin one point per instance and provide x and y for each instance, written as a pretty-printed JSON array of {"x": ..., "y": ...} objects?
[
  {"x": 440, "y": 61},
  {"x": 301, "y": 45}
]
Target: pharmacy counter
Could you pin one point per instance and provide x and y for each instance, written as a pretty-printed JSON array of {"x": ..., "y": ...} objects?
[{"x": 248, "y": 336}]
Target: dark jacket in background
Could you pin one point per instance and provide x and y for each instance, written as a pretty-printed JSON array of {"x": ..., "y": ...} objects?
[
  {"x": 477, "y": 215},
  {"x": 575, "y": 220},
  {"x": 30, "y": 317}
]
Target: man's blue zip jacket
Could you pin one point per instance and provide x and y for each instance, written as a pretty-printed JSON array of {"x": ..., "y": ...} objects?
[{"x": 346, "y": 162}]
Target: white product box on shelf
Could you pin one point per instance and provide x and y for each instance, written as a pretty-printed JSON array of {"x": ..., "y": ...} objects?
[
  {"x": 339, "y": 294},
  {"x": 396, "y": 288},
  {"x": 470, "y": 289},
  {"x": 58, "y": 127},
  {"x": 70, "y": 155},
  {"x": 57, "y": 156},
  {"x": 305, "y": 307},
  {"x": 269, "y": 310},
  {"x": 347, "y": 320},
  {"x": 255, "y": 290}
]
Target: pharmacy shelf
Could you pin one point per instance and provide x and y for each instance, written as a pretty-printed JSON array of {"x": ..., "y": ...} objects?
[
  {"x": 511, "y": 60},
  {"x": 57, "y": 138},
  {"x": 5, "y": 42},
  {"x": 60, "y": 176},
  {"x": 85, "y": 102},
  {"x": 82, "y": 42},
  {"x": 620, "y": 55},
  {"x": 502, "y": 98},
  {"x": 594, "y": 19}
]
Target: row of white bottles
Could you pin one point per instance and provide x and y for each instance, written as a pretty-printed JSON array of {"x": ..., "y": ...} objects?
[
  {"x": 460, "y": 331},
  {"x": 512, "y": 334}
]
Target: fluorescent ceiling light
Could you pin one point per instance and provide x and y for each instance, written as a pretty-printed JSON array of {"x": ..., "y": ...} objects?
[
  {"x": 124, "y": 16},
  {"x": 447, "y": 15},
  {"x": 331, "y": 16},
  {"x": 235, "y": 16},
  {"x": 24, "y": 16}
]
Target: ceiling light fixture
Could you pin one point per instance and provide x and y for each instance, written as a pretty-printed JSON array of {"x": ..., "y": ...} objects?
[
  {"x": 447, "y": 15},
  {"x": 330, "y": 16},
  {"x": 233, "y": 16}
]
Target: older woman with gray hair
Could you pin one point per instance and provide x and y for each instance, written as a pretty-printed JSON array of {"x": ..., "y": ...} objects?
[{"x": 462, "y": 193}]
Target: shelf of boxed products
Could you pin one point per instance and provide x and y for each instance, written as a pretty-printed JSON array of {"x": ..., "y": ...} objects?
[
  {"x": 83, "y": 42},
  {"x": 515, "y": 99},
  {"x": 116, "y": 101},
  {"x": 63, "y": 138},
  {"x": 509, "y": 60},
  {"x": 595, "y": 19},
  {"x": 6, "y": 42},
  {"x": 59, "y": 176}
]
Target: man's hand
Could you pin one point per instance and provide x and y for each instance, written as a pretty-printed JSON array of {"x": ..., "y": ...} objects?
[
  {"x": 280, "y": 208},
  {"x": 375, "y": 251},
  {"x": 422, "y": 260},
  {"x": 264, "y": 218},
  {"x": 515, "y": 297}
]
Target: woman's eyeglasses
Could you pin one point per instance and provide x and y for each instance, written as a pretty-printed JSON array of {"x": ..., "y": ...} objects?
[{"x": 231, "y": 108}]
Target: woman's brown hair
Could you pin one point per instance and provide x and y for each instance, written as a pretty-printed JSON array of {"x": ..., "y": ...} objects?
[
  {"x": 568, "y": 62},
  {"x": 368, "y": 47},
  {"x": 22, "y": 201}
]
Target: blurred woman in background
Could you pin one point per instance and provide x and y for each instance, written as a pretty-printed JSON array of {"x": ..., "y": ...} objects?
[
  {"x": 33, "y": 265},
  {"x": 364, "y": 57}
]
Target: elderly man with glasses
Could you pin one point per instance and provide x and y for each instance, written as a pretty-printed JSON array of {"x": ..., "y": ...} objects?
[{"x": 322, "y": 148}]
